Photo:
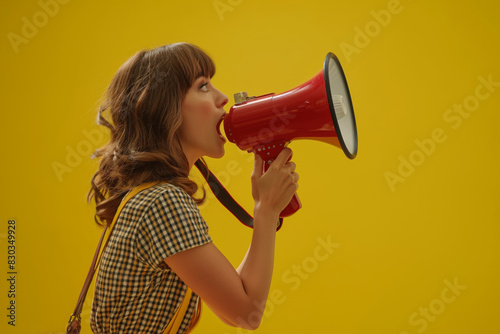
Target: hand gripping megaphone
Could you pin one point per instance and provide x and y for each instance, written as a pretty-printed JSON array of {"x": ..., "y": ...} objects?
[{"x": 319, "y": 109}]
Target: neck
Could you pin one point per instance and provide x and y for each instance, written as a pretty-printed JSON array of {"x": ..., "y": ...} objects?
[
  {"x": 191, "y": 163},
  {"x": 191, "y": 157}
]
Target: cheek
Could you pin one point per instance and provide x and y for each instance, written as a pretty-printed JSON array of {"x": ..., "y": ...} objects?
[
  {"x": 204, "y": 110},
  {"x": 195, "y": 123},
  {"x": 200, "y": 115},
  {"x": 198, "y": 109}
]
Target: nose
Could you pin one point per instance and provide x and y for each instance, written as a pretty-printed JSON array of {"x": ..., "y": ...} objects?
[{"x": 221, "y": 99}]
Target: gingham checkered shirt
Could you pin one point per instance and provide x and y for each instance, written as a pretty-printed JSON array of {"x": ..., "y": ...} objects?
[{"x": 136, "y": 292}]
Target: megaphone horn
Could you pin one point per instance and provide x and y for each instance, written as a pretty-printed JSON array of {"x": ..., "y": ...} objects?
[{"x": 319, "y": 109}]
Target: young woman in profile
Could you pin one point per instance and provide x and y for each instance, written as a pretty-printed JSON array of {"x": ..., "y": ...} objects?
[{"x": 164, "y": 115}]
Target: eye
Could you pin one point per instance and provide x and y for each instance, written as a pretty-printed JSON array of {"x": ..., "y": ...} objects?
[{"x": 204, "y": 87}]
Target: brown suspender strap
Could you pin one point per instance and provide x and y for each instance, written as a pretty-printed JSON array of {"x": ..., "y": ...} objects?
[
  {"x": 229, "y": 202},
  {"x": 74, "y": 324}
]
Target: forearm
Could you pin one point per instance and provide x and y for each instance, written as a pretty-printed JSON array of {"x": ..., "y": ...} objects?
[
  {"x": 256, "y": 268},
  {"x": 272, "y": 190}
]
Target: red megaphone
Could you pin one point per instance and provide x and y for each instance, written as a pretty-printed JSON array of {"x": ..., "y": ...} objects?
[{"x": 319, "y": 109}]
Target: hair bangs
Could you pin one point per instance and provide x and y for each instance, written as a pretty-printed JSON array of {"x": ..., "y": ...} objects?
[{"x": 192, "y": 62}]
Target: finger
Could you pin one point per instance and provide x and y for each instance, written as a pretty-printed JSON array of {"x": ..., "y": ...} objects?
[
  {"x": 258, "y": 166},
  {"x": 291, "y": 166},
  {"x": 295, "y": 177},
  {"x": 284, "y": 156}
]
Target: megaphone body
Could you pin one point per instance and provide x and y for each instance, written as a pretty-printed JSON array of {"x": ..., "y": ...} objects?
[{"x": 319, "y": 109}]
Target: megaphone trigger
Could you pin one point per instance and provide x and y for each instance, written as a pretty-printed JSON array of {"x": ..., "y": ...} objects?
[{"x": 269, "y": 152}]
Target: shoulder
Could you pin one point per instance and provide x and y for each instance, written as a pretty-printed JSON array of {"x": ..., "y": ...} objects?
[
  {"x": 163, "y": 200},
  {"x": 169, "y": 223},
  {"x": 156, "y": 223},
  {"x": 161, "y": 193},
  {"x": 166, "y": 202}
]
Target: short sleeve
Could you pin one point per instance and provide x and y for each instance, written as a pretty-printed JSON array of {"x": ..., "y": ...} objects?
[{"x": 172, "y": 224}]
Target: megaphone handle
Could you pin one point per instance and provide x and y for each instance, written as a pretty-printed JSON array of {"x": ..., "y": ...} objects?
[{"x": 268, "y": 153}]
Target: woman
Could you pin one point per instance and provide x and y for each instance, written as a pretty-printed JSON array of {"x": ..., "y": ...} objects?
[{"x": 164, "y": 116}]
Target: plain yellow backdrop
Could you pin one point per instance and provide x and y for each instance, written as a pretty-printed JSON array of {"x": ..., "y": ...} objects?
[{"x": 404, "y": 239}]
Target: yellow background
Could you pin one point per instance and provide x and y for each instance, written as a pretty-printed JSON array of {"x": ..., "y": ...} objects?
[{"x": 397, "y": 246}]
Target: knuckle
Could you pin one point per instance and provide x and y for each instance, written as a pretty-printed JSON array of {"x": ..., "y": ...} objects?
[{"x": 274, "y": 168}]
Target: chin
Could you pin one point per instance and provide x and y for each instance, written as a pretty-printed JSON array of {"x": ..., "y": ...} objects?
[
  {"x": 217, "y": 154},
  {"x": 220, "y": 155}
]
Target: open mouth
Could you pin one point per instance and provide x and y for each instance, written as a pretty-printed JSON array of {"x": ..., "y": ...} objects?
[{"x": 218, "y": 128}]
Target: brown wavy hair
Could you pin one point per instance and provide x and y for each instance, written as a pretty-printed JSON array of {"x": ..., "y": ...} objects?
[{"x": 142, "y": 110}]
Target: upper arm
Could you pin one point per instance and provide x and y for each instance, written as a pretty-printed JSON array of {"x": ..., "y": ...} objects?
[
  {"x": 170, "y": 225},
  {"x": 173, "y": 231},
  {"x": 212, "y": 277}
]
